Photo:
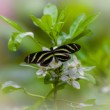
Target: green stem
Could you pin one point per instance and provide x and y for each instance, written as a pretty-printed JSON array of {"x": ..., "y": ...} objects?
[
  {"x": 33, "y": 95},
  {"x": 55, "y": 92}
]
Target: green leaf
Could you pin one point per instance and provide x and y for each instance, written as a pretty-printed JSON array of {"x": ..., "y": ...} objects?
[
  {"x": 13, "y": 24},
  {"x": 51, "y": 10},
  {"x": 64, "y": 38},
  {"x": 30, "y": 65},
  {"x": 47, "y": 21},
  {"x": 16, "y": 39},
  {"x": 89, "y": 20},
  {"x": 60, "y": 21},
  {"x": 77, "y": 22},
  {"x": 62, "y": 18},
  {"x": 83, "y": 34},
  {"x": 90, "y": 101},
  {"x": 90, "y": 78},
  {"x": 85, "y": 24},
  {"x": 9, "y": 86},
  {"x": 38, "y": 22}
]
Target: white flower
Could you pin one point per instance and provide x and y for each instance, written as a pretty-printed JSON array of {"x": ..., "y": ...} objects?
[
  {"x": 71, "y": 80},
  {"x": 54, "y": 64},
  {"x": 72, "y": 71},
  {"x": 74, "y": 66},
  {"x": 42, "y": 71},
  {"x": 45, "y": 49},
  {"x": 105, "y": 89}
]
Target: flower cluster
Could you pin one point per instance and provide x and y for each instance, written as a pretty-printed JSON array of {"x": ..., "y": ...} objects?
[{"x": 72, "y": 70}]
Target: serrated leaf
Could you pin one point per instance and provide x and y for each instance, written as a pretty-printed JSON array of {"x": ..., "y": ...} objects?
[
  {"x": 12, "y": 23},
  {"x": 75, "y": 25},
  {"x": 90, "y": 78},
  {"x": 16, "y": 39},
  {"x": 9, "y": 86},
  {"x": 51, "y": 10}
]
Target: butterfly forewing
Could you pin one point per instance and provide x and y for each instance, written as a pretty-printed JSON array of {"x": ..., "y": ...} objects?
[
  {"x": 69, "y": 48},
  {"x": 47, "y": 60},
  {"x": 37, "y": 57}
]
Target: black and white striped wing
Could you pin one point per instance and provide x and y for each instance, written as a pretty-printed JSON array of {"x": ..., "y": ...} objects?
[
  {"x": 62, "y": 56},
  {"x": 69, "y": 48},
  {"x": 63, "y": 52},
  {"x": 46, "y": 61},
  {"x": 41, "y": 57}
]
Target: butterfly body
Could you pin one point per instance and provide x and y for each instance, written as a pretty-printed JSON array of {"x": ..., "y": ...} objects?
[{"x": 62, "y": 53}]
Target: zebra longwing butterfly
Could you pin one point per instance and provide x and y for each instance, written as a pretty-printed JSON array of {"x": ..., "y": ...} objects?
[{"x": 61, "y": 53}]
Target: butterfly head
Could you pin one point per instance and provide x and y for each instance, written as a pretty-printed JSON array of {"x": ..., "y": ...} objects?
[{"x": 51, "y": 49}]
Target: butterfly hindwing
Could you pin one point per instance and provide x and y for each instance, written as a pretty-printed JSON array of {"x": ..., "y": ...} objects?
[{"x": 62, "y": 56}]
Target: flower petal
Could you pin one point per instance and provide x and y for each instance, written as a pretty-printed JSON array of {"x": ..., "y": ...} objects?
[
  {"x": 88, "y": 68},
  {"x": 76, "y": 84},
  {"x": 45, "y": 48},
  {"x": 55, "y": 64},
  {"x": 81, "y": 71},
  {"x": 40, "y": 72},
  {"x": 64, "y": 78},
  {"x": 72, "y": 71},
  {"x": 76, "y": 61}
]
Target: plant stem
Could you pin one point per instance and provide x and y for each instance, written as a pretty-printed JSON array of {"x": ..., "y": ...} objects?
[{"x": 55, "y": 92}]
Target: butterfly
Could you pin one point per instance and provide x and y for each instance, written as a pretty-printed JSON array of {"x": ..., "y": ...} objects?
[{"x": 61, "y": 53}]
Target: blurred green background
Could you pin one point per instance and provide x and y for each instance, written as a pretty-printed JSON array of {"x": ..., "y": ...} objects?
[{"x": 95, "y": 52}]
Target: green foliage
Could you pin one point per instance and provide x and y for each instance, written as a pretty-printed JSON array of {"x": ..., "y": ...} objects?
[
  {"x": 51, "y": 10},
  {"x": 9, "y": 86},
  {"x": 77, "y": 22},
  {"x": 30, "y": 65},
  {"x": 77, "y": 30},
  {"x": 13, "y": 24},
  {"x": 86, "y": 23},
  {"x": 86, "y": 32},
  {"x": 90, "y": 78},
  {"x": 16, "y": 39},
  {"x": 52, "y": 24}
]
